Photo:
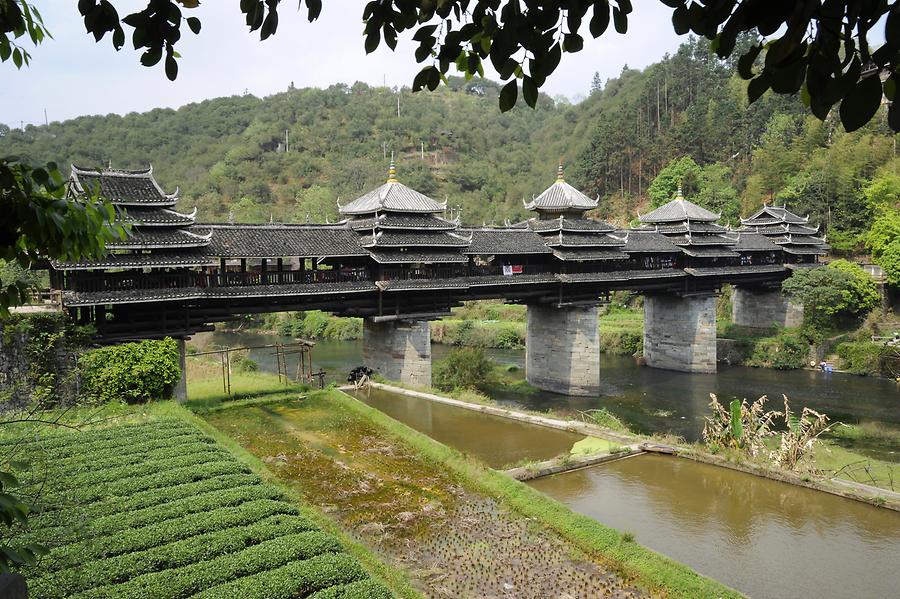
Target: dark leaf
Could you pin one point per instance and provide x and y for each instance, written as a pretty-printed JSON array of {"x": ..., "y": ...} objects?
[
  {"x": 860, "y": 105},
  {"x": 508, "y": 95},
  {"x": 529, "y": 91},
  {"x": 194, "y": 24}
]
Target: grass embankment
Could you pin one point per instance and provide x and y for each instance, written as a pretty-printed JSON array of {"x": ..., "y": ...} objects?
[
  {"x": 205, "y": 381},
  {"x": 430, "y": 507},
  {"x": 147, "y": 505}
]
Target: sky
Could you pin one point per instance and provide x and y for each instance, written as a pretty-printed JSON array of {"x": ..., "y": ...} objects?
[{"x": 71, "y": 75}]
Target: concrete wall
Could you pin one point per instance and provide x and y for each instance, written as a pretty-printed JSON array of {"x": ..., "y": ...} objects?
[
  {"x": 562, "y": 349},
  {"x": 680, "y": 332},
  {"x": 763, "y": 309},
  {"x": 399, "y": 350},
  {"x": 180, "y": 391}
]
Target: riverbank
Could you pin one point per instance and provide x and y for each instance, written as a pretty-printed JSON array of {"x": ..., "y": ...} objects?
[{"x": 458, "y": 527}]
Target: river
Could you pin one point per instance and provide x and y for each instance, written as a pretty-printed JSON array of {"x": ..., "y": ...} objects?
[{"x": 647, "y": 399}]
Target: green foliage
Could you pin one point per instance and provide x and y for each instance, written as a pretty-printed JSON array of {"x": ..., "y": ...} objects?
[
  {"x": 603, "y": 417},
  {"x": 860, "y": 293},
  {"x": 316, "y": 324},
  {"x": 131, "y": 372},
  {"x": 890, "y": 262},
  {"x": 684, "y": 172},
  {"x": 865, "y": 357},
  {"x": 244, "y": 364},
  {"x": 843, "y": 289},
  {"x": 884, "y": 231},
  {"x": 41, "y": 222},
  {"x": 622, "y": 343},
  {"x": 782, "y": 352},
  {"x": 479, "y": 333},
  {"x": 463, "y": 368}
]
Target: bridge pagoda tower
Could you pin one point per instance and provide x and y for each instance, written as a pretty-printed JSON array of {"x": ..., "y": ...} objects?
[
  {"x": 562, "y": 346},
  {"x": 764, "y": 306},
  {"x": 680, "y": 329},
  {"x": 414, "y": 249},
  {"x": 160, "y": 243}
]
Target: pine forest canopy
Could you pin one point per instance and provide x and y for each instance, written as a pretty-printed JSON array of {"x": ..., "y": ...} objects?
[{"x": 818, "y": 48}]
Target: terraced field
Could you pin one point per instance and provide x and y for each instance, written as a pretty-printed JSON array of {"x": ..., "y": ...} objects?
[{"x": 157, "y": 509}]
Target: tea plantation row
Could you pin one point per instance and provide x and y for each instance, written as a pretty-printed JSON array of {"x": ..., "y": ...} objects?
[{"x": 157, "y": 509}]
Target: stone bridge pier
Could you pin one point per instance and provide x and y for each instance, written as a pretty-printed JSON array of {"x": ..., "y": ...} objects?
[
  {"x": 562, "y": 349},
  {"x": 680, "y": 332},
  {"x": 399, "y": 350},
  {"x": 764, "y": 307}
]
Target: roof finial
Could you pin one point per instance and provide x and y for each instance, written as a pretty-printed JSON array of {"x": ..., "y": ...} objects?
[
  {"x": 559, "y": 172},
  {"x": 392, "y": 171},
  {"x": 678, "y": 194}
]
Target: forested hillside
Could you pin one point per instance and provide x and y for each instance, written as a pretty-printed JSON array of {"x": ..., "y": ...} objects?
[{"x": 290, "y": 156}]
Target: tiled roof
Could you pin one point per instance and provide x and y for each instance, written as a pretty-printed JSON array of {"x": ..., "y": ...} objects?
[
  {"x": 523, "y": 279},
  {"x": 412, "y": 257},
  {"x": 262, "y": 241},
  {"x": 569, "y": 224},
  {"x": 488, "y": 241},
  {"x": 620, "y": 275},
  {"x": 156, "y": 238},
  {"x": 684, "y": 227},
  {"x": 412, "y": 284},
  {"x": 805, "y": 250},
  {"x": 135, "y": 188},
  {"x": 564, "y": 239},
  {"x": 709, "y": 252},
  {"x": 734, "y": 270},
  {"x": 73, "y": 299},
  {"x": 394, "y": 220},
  {"x": 560, "y": 197},
  {"x": 694, "y": 240},
  {"x": 679, "y": 210},
  {"x": 150, "y": 217},
  {"x": 781, "y": 228},
  {"x": 152, "y": 260},
  {"x": 638, "y": 242},
  {"x": 753, "y": 242},
  {"x": 772, "y": 214},
  {"x": 581, "y": 254},
  {"x": 392, "y": 197},
  {"x": 413, "y": 239}
]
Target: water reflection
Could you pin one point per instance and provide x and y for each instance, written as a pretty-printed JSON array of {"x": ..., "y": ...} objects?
[{"x": 765, "y": 538}]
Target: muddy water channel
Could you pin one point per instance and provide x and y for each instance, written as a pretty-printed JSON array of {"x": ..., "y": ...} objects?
[
  {"x": 498, "y": 442},
  {"x": 762, "y": 537}
]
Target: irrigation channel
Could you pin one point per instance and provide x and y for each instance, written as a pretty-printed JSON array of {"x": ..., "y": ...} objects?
[{"x": 762, "y": 537}]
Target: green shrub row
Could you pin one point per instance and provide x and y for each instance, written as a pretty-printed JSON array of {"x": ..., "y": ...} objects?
[
  {"x": 203, "y": 547},
  {"x": 137, "y": 539},
  {"x": 361, "y": 589},
  {"x": 62, "y": 513},
  {"x": 130, "y": 372},
  {"x": 106, "y": 460},
  {"x": 85, "y": 440},
  {"x": 150, "y": 468},
  {"x": 297, "y": 579},
  {"x": 199, "y": 576},
  {"x": 106, "y": 525},
  {"x": 128, "y": 486}
]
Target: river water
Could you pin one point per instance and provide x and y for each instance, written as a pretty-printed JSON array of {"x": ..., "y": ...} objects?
[
  {"x": 762, "y": 537},
  {"x": 647, "y": 399}
]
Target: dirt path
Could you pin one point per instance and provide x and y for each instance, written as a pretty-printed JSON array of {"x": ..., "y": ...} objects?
[{"x": 455, "y": 542}]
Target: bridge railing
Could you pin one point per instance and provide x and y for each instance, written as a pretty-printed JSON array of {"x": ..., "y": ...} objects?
[{"x": 424, "y": 272}]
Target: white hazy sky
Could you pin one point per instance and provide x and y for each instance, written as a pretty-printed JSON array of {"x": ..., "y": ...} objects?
[{"x": 71, "y": 75}]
